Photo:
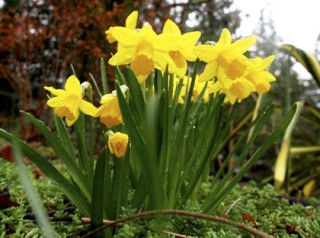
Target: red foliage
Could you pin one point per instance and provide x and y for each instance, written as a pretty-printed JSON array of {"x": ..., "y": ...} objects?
[
  {"x": 5, "y": 201},
  {"x": 6, "y": 153},
  {"x": 40, "y": 39}
]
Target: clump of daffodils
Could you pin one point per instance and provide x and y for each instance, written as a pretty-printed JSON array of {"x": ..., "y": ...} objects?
[{"x": 228, "y": 71}]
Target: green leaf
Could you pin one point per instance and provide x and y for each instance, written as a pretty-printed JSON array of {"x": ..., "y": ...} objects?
[
  {"x": 103, "y": 76},
  {"x": 80, "y": 130},
  {"x": 281, "y": 165},
  {"x": 64, "y": 135},
  {"x": 119, "y": 76},
  {"x": 213, "y": 203},
  {"x": 206, "y": 145},
  {"x": 62, "y": 154},
  {"x": 72, "y": 192},
  {"x": 308, "y": 60},
  {"x": 257, "y": 125},
  {"x": 98, "y": 196},
  {"x": 148, "y": 164},
  {"x": 178, "y": 145},
  {"x": 32, "y": 195},
  {"x": 96, "y": 85},
  {"x": 136, "y": 95}
]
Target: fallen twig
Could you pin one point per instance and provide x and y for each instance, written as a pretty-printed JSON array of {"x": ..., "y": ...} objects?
[{"x": 253, "y": 231}]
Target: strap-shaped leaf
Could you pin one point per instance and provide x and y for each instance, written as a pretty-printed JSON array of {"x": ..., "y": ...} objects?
[
  {"x": 64, "y": 135},
  {"x": 148, "y": 164},
  {"x": 212, "y": 203},
  {"x": 308, "y": 60},
  {"x": 62, "y": 154},
  {"x": 98, "y": 194},
  {"x": 33, "y": 197},
  {"x": 283, "y": 156},
  {"x": 104, "y": 76},
  {"x": 72, "y": 192}
]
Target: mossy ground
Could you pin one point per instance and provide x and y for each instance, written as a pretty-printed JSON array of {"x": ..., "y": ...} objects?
[{"x": 250, "y": 204}]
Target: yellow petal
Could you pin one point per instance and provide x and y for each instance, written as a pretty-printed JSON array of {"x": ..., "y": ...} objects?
[
  {"x": 162, "y": 60},
  {"x": 73, "y": 85},
  {"x": 241, "y": 88},
  {"x": 243, "y": 45},
  {"x": 100, "y": 110},
  {"x": 109, "y": 35},
  {"x": 125, "y": 36},
  {"x": 225, "y": 38},
  {"x": 131, "y": 21},
  {"x": 147, "y": 31},
  {"x": 123, "y": 56},
  {"x": 187, "y": 44},
  {"x": 209, "y": 72},
  {"x": 191, "y": 37},
  {"x": 205, "y": 53},
  {"x": 87, "y": 108},
  {"x": 267, "y": 61},
  {"x": 223, "y": 78},
  {"x": 171, "y": 27},
  {"x": 106, "y": 98},
  {"x": 54, "y": 91},
  {"x": 58, "y": 101}
]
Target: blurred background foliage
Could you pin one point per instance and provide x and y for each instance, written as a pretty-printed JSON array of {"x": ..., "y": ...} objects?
[{"x": 40, "y": 39}]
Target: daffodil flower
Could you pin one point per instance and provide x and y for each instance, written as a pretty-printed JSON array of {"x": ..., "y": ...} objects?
[
  {"x": 131, "y": 23},
  {"x": 109, "y": 112},
  {"x": 181, "y": 46},
  {"x": 142, "y": 50},
  {"x": 237, "y": 76},
  {"x": 257, "y": 76},
  {"x": 225, "y": 60},
  {"x": 118, "y": 143},
  {"x": 67, "y": 103}
]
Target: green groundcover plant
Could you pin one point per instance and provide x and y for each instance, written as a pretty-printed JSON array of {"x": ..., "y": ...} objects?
[
  {"x": 165, "y": 124},
  {"x": 256, "y": 207}
]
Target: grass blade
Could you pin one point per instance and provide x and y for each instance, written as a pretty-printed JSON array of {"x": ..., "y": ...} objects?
[{"x": 35, "y": 202}]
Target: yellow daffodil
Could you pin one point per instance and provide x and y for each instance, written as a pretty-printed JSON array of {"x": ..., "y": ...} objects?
[
  {"x": 142, "y": 50},
  {"x": 254, "y": 80},
  {"x": 225, "y": 60},
  {"x": 198, "y": 87},
  {"x": 240, "y": 89},
  {"x": 237, "y": 76},
  {"x": 67, "y": 103},
  {"x": 131, "y": 23},
  {"x": 181, "y": 46},
  {"x": 109, "y": 112},
  {"x": 257, "y": 76},
  {"x": 118, "y": 143}
]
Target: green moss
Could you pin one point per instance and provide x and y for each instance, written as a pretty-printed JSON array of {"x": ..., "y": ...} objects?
[
  {"x": 12, "y": 219},
  {"x": 272, "y": 214}
]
